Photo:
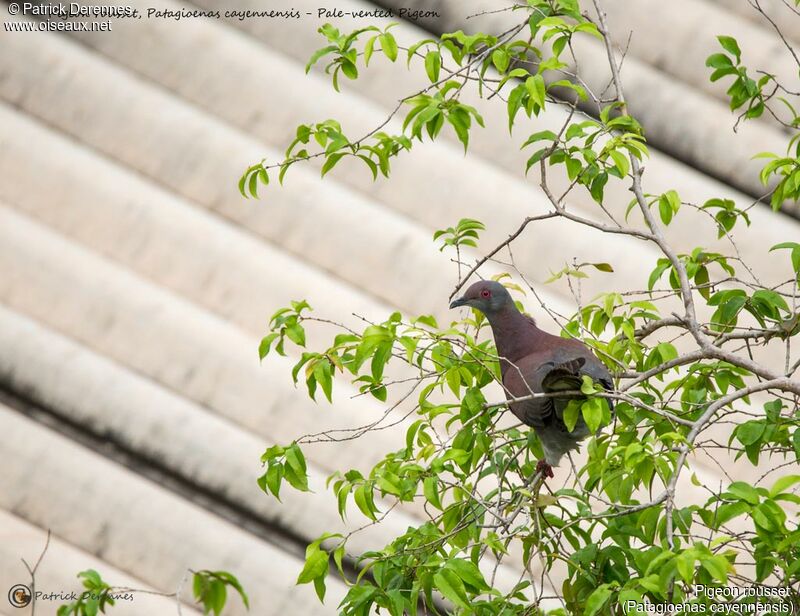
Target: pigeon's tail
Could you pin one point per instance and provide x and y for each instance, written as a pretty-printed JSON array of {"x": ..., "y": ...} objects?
[
  {"x": 557, "y": 441},
  {"x": 564, "y": 377},
  {"x": 568, "y": 376}
]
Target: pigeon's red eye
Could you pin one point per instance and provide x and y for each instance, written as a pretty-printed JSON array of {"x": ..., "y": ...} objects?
[{"x": 485, "y": 293}]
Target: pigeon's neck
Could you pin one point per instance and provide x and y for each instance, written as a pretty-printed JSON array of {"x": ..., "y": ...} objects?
[{"x": 515, "y": 335}]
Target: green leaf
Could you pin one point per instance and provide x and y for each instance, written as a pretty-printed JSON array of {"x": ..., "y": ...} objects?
[
  {"x": 369, "y": 48},
  {"x": 598, "y": 599},
  {"x": 91, "y": 607},
  {"x": 730, "y": 303},
  {"x": 782, "y": 484},
  {"x": 795, "y": 248},
  {"x": 620, "y": 162},
  {"x": 571, "y": 414},
  {"x": 451, "y": 587},
  {"x": 719, "y": 61},
  {"x": 500, "y": 59},
  {"x": 769, "y": 516},
  {"x": 547, "y": 135},
  {"x": 750, "y": 432},
  {"x": 324, "y": 376},
  {"x": 770, "y": 303},
  {"x": 271, "y": 480},
  {"x": 796, "y": 443},
  {"x": 598, "y": 186},
  {"x": 431, "y": 491},
  {"x": 515, "y": 100},
  {"x": 319, "y": 588},
  {"x": 744, "y": 491},
  {"x": 316, "y": 565},
  {"x": 330, "y": 162},
  {"x": 252, "y": 184},
  {"x": 295, "y": 458},
  {"x": 363, "y": 498},
  {"x": 296, "y": 334},
  {"x": 91, "y": 579},
  {"x": 433, "y": 64},
  {"x": 233, "y": 581},
  {"x": 294, "y": 469},
  {"x": 389, "y": 484},
  {"x": 266, "y": 343},
  {"x": 730, "y": 45},
  {"x": 388, "y": 45},
  {"x": 667, "y": 351},
  {"x": 338, "y": 555},
  {"x": 729, "y": 511},
  {"x": 668, "y": 205},
  {"x": 592, "y": 411},
  {"x": 652, "y": 583},
  {"x": 673, "y": 199},
  {"x": 701, "y": 279},
  {"x": 210, "y": 589},
  {"x": 685, "y": 566},
  {"x": 272, "y": 452},
  {"x": 318, "y": 54},
  {"x": 468, "y": 573},
  {"x": 349, "y": 69},
  {"x": 413, "y": 49},
  {"x": 717, "y": 566},
  {"x": 462, "y": 131},
  {"x": 536, "y": 89},
  {"x": 587, "y": 385}
]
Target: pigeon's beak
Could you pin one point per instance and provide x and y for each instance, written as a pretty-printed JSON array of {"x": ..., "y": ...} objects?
[{"x": 461, "y": 301}]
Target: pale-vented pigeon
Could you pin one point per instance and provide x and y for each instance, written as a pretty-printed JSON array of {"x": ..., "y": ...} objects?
[{"x": 532, "y": 360}]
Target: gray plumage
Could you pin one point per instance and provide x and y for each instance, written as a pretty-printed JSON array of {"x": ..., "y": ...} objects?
[{"x": 533, "y": 361}]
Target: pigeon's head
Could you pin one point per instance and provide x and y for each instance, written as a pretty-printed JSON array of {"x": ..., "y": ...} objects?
[{"x": 488, "y": 296}]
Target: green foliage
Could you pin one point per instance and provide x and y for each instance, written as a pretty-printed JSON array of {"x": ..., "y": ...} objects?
[
  {"x": 578, "y": 149},
  {"x": 465, "y": 233},
  {"x": 95, "y": 599},
  {"x": 774, "y": 432},
  {"x": 743, "y": 89},
  {"x": 575, "y": 271},
  {"x": 640, "y": 453},
  {"x": 794, "y": 247},
  {"x": 727, "y": 214},
  {"x": 287, "y": 463},
  {"x": 345, "y": 55},
  {"x": 698, "y": 267},
  {"x": 210, "y": 589},
  {"x": 317, "y": 566},
  {"x": 286, "y": 323},
  {"x": 668, "y": 205},
  {"x": 787, "y": 168},
  {"x": 618, "y": 530},
  {"x": 756, "y": 97},
  {"x": 429, "y": 113},
  {"x": 439, "y": 103},
  {"x": 248, "y": 183}
]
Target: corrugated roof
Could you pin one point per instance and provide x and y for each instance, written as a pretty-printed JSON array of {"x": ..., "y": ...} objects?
[{"x": 136, "y": 282}]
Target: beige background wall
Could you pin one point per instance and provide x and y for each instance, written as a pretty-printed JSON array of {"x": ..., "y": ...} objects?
[{"x": 135, "y": 282}]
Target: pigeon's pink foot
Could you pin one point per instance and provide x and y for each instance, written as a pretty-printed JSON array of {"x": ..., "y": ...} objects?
[{"x": 545, "y": 469}]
